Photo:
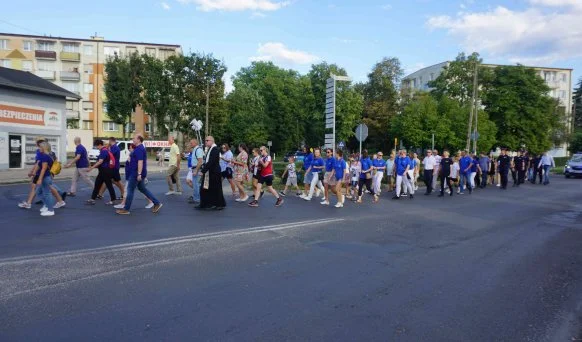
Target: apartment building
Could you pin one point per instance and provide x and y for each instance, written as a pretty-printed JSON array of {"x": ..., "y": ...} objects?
[
  {"x": 77, "y": 65},
  {"x": 558, "y": 79}
]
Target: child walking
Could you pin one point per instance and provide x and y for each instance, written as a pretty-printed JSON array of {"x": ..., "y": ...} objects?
[{"x": 291, "y": 173}]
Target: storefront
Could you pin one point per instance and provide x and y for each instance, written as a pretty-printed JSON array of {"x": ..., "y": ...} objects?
[{"x": 30, "y": 107}]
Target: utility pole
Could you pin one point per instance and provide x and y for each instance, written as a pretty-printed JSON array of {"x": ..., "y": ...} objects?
[
  {"x": 476, "y": 104},
  {"x": 206, "y": 131},
  {"x": 472, "y": 108}
]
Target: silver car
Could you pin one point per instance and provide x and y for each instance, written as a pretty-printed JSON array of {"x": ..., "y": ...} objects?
[{"x": 573, "y": 167}]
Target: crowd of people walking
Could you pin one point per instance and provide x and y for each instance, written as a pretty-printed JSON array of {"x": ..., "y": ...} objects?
[{"x": 325, "y": 174}]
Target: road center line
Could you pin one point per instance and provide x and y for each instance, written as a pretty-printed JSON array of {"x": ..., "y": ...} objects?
[{"x": 167, "y": 241}]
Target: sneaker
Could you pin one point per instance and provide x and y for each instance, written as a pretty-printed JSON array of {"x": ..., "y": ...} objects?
[
  {"x": 90, "y": 202},
  {"x": 254, "y": 203},
  {"x": 498, "y": 185},
  {"x": 246, "y": 198},
  {"x": 109, "y": 203},
  {"x": 169, "y": 193},
  {"x": 376, "y": 198},
  {"x": 339, "y": 205},
  {"x": 122, "y": 212},
  {"x": 302, "y": 196},
  {"x": 24, "y": 205},
  {"x": 43, "y": 209},
  {"x": 59, "y": 205},
  {"x": 149, "y": 205},
  {"x": 395, "y": 198},
  {"x": 299, "y": 194},
  {"x": 359, "y": 199},
  {"x": 282, "y": 194},
  {"x": 411, "y": 196},
  {"x": 404, "y": 195},
  {"x": 99, "y": 197},
  {"x": 178, "y": 193},
  {"x": 119, "y": 206},
  {"x": 47, "y": 213},
  {"x": 279, "y": 202},
  {"x": 71, "y": 194},
  {"x": 307, "y": 198},
  {"x": 460, "y": 193},
  {"x": 324, "y": 202},
  {"x": 157, "y": 208}
]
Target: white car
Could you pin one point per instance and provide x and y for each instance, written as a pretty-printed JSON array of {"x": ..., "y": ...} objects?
[{"x": 123, "y": 155}]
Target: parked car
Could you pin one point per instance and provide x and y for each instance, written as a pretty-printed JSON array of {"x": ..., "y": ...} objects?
[
  {"x": 123, "y": 155},
  {"x": 165, "y": 152},
  {"x": 573, "y": 167}
]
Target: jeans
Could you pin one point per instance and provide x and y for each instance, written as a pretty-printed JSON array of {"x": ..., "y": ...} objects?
[
  {"x": 196, "y": 186},
  {"x": 464, "y": 182},
  {"x": 484, "y": 179},
  {"x": 547, "y": 174},
  {"x": 44, "y": 192},
  {"x": 131, "y": 185}
]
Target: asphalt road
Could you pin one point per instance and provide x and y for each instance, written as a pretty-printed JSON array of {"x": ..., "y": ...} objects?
[{"x": 491, "y": 266}]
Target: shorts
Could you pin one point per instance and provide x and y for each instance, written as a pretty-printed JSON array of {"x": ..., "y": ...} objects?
[
  {"x": 291, "y": 181},
  {"x": 266, "y": 180},
  {"x": 116, "y": 176},
  {"x": 35, "y": 179},
  {"x": 189, "y": 175},
  {"x": 328, "y": 179},
  {"x": 308, "y": 178},
  {"x": 390, "y": 179},
  {"x": 227, "y": 174}
]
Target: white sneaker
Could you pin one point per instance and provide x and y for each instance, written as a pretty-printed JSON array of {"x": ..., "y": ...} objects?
[
  {"x": 339, "y": 205},
  {"x": 47, "y": 213},
  {"x": 178, "y": 193},
  {"x": 307, "y": 198},
  {"x": 325, "y": 203},
  {"x": 59, "y": 205},
  {"x": 43, "y": 209},
  {"x": 150, "y": 205},
  {"x": 24, "y": 205},
  {"x": 498, "y": 185},
  {"x": 119, "y": 206},
  {"x": 169, "y": 193}
]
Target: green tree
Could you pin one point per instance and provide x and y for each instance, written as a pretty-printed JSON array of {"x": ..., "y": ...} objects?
[
  {"x": 417, "y": 122},
  {"x": 157, "y": 93},
  {"x": 248, "y": 121},
  {"x": 577, "y": 101},
  {"x": 575, "y": 143},
  {"x": 381, "y": 100},
  {"x": 517, "y": 101},
  {"x": 123, "y": 87}
]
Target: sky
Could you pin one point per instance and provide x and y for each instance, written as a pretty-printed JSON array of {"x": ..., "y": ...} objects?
[{"x": 355, "y": 34}]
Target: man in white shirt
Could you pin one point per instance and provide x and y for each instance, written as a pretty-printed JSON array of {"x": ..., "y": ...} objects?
[
  {"x": 226, "y": 158},
  {"x": 436, "y": 171},
  {"x": 546, "y": 163},
  {"x": 428, "y": 164}
]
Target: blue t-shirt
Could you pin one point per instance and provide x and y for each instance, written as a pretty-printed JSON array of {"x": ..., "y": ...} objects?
[
  {"x": 366, "y": 164},
  {"x": 380, "y": 163},
  {"x": 413, "y": 163},
  {"x": 104, "y": 155},
  {"x": 475, "y": 163},
  {"x": 138, "y": 154},
  {"x": 402, "y": 164},
  {"x": 317, "y": 162},
  {"x": 339, "y": 166},
  {"x": 190, "y": 161},
  {"x": 116, "y": 153},
  {"x": 329, "y": 164},
  {"x": 37, "y": 156},
  {"x": 464, "y": 164},
  {"x": 44, "y": 158},
  {"x": 307, "y": 161},
  {"x": 83, "y": 162}
]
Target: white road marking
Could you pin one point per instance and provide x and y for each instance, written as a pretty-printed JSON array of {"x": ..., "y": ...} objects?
[{"x": 163, "y": 242}]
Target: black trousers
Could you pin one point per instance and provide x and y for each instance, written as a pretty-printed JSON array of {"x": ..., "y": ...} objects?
[
  {"x": 428, "y": 174},
  {"x": 105, "y": 176},
  {"x": 514, "y": 176},
  {"x": 520, "y": 177},
  {"x": 368, "y": 183},
  {"x": 538, "y": 171},
  {"x": 446, "y": 179},
  {"x": 503, "y": 175}
]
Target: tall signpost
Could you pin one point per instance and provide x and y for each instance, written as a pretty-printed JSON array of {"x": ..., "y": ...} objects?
[
  {"x": 330, "y": 109},
  {"x": 361, "y": 135}
]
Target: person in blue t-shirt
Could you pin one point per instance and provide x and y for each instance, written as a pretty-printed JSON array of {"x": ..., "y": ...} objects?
[
  {"x": 138, "y": 171},
  {"x": 474, "y": 169},
  {"x": 116, "y": 175},
  {"x": 328, "y": 179},
  {"x": 316, "y": 168},
  {"x": 339, "y": 173},
  {"x": 465, "y": 165},
  {"x": 366, "y": 177},
  {"x": 44, "y": 179},
  {"x": 105, "y": 165},
  {"x": 307, "y": 160},
  {"x": 403, "y": 179},
  {"x": 81, "y": 162},
  {"x": 380, "y": 166}
]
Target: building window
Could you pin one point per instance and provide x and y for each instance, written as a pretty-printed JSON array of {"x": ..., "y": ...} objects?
[
  {"x": 3, "y": 44},
  {"x": 88, "y": 50},
  {"x": 432, "y": 76},
  {"x": 87, "y": 125},
  {"x": 562, "y": 94},
  {"x": 73, "y": 87},
  {"x": 88, "y": 68},
  {"x": 45, "y": 46},
  {"x": 87, "y": 106},
  {"x": 130, "y": 127},
  {"x": 150, "y": 52},
  {"x": 46, "y": 66},
  {"x": 27, "y": 45},
  {"x": 88, "y": 88},
  {"x": 164, "y": 53},
  {"x": 109, "y": 126},
  {"x": 564, "y": 77},
  {"x": 5, "y": 63},
  {"x": 131, "y": 50},
  {"x": 110, "y": 51},
  {"x": 27, "y": 65},
  {"x": 70, "y": 47},
  {"x": 148, "y": 127}
]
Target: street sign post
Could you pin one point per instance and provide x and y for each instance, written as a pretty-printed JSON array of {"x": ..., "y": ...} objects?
[
  {"x": 341, "y": 145},
  {"x": 361, "y": 135},
  {"x": 330, "y": 92}
]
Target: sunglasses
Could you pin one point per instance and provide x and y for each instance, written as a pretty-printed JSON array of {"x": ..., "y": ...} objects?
[{"x": 207, "y": 140}]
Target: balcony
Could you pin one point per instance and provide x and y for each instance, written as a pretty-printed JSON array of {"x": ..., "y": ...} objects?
[
  {"x": 47, "y": 75},
  {"x": 70, "y": 76},
  {"x": 72, "y": 114},
  {"x": 41, "y": 54},
  {"x": 70, "y": 56}
]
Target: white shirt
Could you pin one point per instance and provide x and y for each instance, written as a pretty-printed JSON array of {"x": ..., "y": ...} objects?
[
  {"x": 455, "y": 170},
  {"x": 547, "y": 160},
  {"x": 437, "y": 162},
  {"x": 429, "y": 163}
]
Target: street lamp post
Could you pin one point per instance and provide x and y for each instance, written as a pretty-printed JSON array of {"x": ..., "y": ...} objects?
[{"x": 207, "y": 107}]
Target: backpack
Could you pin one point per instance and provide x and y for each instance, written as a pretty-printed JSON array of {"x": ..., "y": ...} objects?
[
  {"x": 111, "y": 159},
  {"x": 56, "y": 167}
]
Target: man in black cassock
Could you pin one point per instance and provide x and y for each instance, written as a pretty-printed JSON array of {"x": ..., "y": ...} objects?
[{"x": 211, "y": 197}]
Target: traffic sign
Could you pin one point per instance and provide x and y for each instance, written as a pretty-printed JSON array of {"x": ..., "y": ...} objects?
[
  {"x": 269, "y": 143},
  {"x": 362, "y": 132},
  {"x": 341, "y": 145}
]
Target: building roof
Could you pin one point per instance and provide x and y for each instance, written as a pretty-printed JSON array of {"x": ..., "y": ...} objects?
[
  {"x": 86, "y": 40},
  {"x": 24, "y": 80}
]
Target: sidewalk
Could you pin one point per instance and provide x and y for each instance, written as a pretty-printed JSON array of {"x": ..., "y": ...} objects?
[{"x": 16, "y": 176}]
